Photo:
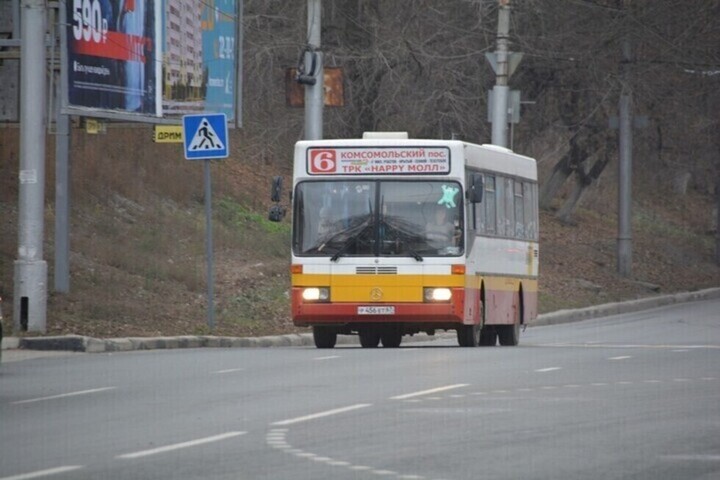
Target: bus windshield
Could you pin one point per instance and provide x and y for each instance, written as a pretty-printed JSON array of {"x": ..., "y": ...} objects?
[{"x": 415, "y": 218}]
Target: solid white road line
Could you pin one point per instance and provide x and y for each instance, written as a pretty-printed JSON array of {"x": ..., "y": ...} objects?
[
  {"x": 321, "y": 414},
  {"x": 177, "y": 446},
  {"x": 427, "y": 392},
  {"x": 64, "y": 395},
  {"x": 44, "y": 473},
  {"x": 549, "y": 369}
]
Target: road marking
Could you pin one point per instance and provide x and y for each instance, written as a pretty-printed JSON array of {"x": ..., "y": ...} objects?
[
  {"x": 549, "y": 369},
  {"x": 427, "y": 392},
  {"x": 329, "y": 357},
  {"x": 696, "y": 457},
  {"x": 622, "y": 357},
  {"x": 178, "y": 446},
  {"x": 610, "y": 345},
  {"x": 679, "y": 350},
  {"x": 230, "y": 370},
  {"x": 44, "y": 473},
  {"x": 64, "y": 395},
  {"x": 322, "y": 414},
  {"x": 384, "y": 472}
]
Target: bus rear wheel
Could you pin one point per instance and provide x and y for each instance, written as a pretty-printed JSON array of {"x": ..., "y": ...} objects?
[
  {"x": 324, "y": 337},
  {"x": 369, "y": 337},
  {"x": 488, "y": 336},
  {"x": 509, "y": 335}
]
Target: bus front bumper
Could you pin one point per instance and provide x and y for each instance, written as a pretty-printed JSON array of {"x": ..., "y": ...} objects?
[{"x": 437, "y": 315}]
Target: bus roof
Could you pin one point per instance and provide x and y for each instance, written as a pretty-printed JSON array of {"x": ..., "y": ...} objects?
[{"x": 488, "y": 158}]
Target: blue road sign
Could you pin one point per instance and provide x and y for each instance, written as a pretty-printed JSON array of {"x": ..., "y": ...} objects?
[{"x": 205, "y": 136}]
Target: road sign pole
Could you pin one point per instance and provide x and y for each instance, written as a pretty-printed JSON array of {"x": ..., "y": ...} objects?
[
  {"x": 205, "y": 136},
  {"x": 209, "y": 246}
]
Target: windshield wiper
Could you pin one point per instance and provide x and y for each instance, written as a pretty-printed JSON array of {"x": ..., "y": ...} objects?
[
  {"x": 403, "y": 241},
  {"x": 349, "y": 242}
]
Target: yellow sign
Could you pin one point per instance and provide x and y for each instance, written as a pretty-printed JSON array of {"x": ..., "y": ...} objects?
[
  {"x": 168, "y": 134},
  {"x": 93, "y": 127}
]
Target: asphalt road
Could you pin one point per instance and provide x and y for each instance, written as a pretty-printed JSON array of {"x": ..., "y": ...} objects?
[{"x": 635, "y": 396}]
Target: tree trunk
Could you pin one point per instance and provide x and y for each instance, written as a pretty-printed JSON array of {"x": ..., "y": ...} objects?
[{"x": 583, "y": 181}]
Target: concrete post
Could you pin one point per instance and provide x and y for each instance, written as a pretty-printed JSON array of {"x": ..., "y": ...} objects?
[
  {"x": 314, "y": 94},
  {"x": 624, "y": 241},
  {"x": 30, "y": 274},
  {"x": 501, "y": 90}
]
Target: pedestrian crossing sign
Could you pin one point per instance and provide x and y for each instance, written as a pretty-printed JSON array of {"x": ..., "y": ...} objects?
[{"x": 205, "y": 136}]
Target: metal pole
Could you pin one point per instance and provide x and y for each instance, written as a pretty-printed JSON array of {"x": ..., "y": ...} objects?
[
  {"x": 239, "y": 62},
  {"x": 501, "y": 90},
  {"x": 209, "y": 246},
  {"x": 62, "y": 173},
  {"x": 314, "y": 94},
  {"x": 30, "y": 272},
  {"x": 624, "y": 243}
]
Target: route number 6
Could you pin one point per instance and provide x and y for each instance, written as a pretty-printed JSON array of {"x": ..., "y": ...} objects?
[{"x": 322, "y": 161}]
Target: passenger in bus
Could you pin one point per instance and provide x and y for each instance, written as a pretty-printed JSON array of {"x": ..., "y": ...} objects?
[{"x": 440, "y": 231}]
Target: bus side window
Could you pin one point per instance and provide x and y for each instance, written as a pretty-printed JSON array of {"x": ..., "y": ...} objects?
[
  {"x": 488, "y": 207},
  {"x": 519, "y": 210},
  {"x": 531, "y": 231}
]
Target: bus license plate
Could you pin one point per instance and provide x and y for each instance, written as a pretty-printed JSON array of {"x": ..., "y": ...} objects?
[{"x": 374, "y": 310}]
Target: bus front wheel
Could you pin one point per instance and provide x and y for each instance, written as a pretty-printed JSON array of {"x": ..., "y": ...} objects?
[
  {"x": 324, "y": 337},
  {"x": 391, "y": 337},
  {"x": 369, "y": 337},
  {"x": 468, "y": 335}
]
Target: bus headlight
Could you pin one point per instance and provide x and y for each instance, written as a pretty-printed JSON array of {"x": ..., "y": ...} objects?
[
  {"x": 437, "y": 294},
  {"x": 316, "y": 294}
]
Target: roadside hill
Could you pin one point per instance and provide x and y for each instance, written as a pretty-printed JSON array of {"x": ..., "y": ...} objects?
[{"x": 138, "y": 254}]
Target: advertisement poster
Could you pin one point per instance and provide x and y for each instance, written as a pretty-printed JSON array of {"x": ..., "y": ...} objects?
[
  {"x": 199, "y": 57},
  {"x": 114, "y": 55}
]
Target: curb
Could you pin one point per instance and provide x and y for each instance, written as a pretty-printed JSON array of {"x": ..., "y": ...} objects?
[{"x": 78, "y": 343}]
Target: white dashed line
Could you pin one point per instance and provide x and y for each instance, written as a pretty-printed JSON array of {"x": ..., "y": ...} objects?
[
  {"x": 622, "y": 357},
  {"x": 229, "y": 370},
  {"x": 64, "y": 395},
  {"x": 322, "y": 414},
  {"x": 44, "y": 473},
  {"x": 178, "y": 446},
  {"x": 549, "y": 369},
  {"x": 329, "y": 357},
  {"x": 427, "y": 392}
]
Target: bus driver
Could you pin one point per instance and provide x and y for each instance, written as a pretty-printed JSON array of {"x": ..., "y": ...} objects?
[{"x": 440, "y": 231}]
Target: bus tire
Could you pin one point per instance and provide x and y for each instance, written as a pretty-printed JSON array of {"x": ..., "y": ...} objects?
[
  {"x": 324, "y": 337},
  {"x": 488, "y": 336},
  {"x": 391, "y": 337},
  {"x": 468, "y": 335},
  {"x": 509, "y": 335},
  {"x": 369, "y": 337}
]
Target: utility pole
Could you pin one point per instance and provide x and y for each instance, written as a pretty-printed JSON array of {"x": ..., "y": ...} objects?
[
  {"x": 30, "y": 275},
  {"x": 502, "y": 73},
  {"x": 314, "y": 88},
  {"x": 62, "y": 172},
  {"x": 503, "y": 103},
  {"x": 624, "y": 240}
]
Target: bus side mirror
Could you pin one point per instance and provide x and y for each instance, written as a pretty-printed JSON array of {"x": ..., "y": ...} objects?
[
  {"x": 475, "y": 189},
  {"x": 276, "y": 214},
  {"x": 277, "y": 211},
  {"x": 276, "y": 189}
]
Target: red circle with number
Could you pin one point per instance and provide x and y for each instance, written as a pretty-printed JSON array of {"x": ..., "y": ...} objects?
[{"x": 322, "y": 161}]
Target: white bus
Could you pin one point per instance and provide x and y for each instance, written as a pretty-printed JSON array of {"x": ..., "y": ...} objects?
[{"x": 394, "y": 236}]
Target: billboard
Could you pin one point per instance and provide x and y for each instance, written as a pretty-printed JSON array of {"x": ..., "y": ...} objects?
[
  {"x": 114, "y": 54},
  {"x": 200, "y": 57},
  {"x": 152, "y": 60}
]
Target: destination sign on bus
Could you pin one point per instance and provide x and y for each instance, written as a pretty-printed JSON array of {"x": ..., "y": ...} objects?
[{"x": 378, "y": 161}]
